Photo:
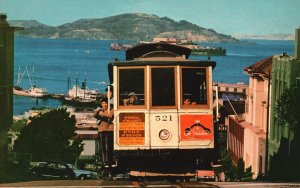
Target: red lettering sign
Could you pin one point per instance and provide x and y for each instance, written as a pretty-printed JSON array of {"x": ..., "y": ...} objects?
[{"x": 196, "y": 127}]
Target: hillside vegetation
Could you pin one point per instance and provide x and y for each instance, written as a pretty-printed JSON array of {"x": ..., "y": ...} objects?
[{"x": 134, "y": 26}]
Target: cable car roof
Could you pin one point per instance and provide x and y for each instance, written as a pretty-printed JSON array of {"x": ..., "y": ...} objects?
[{"x": 140, "y": 50}]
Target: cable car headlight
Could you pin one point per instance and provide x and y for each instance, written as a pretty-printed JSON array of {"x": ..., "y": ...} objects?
[{"x": 164, "y": 134}]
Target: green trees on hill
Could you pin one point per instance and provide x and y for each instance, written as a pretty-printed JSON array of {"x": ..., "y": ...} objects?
[
  {"x": 50, "y": 136},
  {"x": 130, "y": 26}
]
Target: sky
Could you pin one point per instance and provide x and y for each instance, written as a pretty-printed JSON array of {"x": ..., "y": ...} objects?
[{"x": 244, "y": 17}]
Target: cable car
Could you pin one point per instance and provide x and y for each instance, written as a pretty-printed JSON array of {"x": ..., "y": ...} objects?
[{"x": 163, "y": 109}]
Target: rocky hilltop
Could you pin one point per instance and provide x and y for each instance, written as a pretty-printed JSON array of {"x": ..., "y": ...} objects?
[{"x": 134, "y": 26}]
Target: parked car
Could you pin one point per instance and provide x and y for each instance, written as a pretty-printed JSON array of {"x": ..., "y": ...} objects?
[
  {"x": 61, "y": 170},
  {"x": 83, "y": 174},
  {"x": 125, "y": 176},
  {"x": 53, "y": 170}
]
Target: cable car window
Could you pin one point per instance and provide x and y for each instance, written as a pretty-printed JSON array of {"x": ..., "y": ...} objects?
[
  {"x": 131, "y": 87},
  {"x": 194, "y": 86},
  {"x": 163, "y": 86}
]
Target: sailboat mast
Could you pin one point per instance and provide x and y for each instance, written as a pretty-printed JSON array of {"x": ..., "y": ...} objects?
[
  {"x": 76, "y": 84},
  {"x": 19, "y": 76},
  {"x": 84, "y": 86},
  {"x": 28, "y": 76},
  {"x": 68, "y": 84}
]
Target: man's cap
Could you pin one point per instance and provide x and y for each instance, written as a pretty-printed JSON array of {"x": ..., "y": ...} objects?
[{"x": 131, "y": 94}]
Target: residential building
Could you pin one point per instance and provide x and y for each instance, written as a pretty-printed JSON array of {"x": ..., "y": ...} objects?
[
  {"x": 268, "y": 79},
  {"x": 286, "y": 74},
  {"x": 87, "y": 130},
  {"x": 6, "y": 85},
  {"x": 247, "y": 133}
]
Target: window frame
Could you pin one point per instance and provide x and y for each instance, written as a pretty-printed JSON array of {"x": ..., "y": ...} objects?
[
  {"x": 175, "y": 88},
  {"x": 208, "y": 89},
  {"x": 145, "y": 88}
]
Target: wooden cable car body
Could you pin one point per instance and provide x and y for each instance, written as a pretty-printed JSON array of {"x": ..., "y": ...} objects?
[{"x": 169, "y": 128}]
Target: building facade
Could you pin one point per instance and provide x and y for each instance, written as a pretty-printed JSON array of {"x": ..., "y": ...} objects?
[
  {"x": 6, "y": 85},
  {"x": 87, "y": 130},
  {"x": 286, "y": 74},
  {"x": 247, "y": 135},
  {"x": 268, "y": 79}
]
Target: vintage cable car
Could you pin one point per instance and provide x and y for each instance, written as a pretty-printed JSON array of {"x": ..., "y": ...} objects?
[{"x": 163, "y": 109}]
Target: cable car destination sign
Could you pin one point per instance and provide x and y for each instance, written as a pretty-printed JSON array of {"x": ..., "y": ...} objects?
[{"x": 132, "y": 129}]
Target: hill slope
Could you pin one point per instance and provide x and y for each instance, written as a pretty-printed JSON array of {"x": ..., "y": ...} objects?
[
  {"x": 26, "y": 23},
  {"x": 132, "y": 26}
]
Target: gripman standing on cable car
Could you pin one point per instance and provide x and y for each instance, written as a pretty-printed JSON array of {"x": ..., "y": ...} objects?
[{"x": 104, "y": 118}]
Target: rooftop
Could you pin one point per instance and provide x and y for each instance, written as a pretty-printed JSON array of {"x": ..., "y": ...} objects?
[
  {"x": 262, "y": 67},
  {"x": 143, "y": 49}
]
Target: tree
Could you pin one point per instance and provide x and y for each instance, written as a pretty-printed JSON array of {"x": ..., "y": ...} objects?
[
  {"x": 17, "y": 125},
  {"x": 240, "y": 166},
  {"x": 287, "y": 109},
  {"x": 285, "y": 164},
  {"x": 235, "y": 172},
  {"x": 50, "y": 136}
]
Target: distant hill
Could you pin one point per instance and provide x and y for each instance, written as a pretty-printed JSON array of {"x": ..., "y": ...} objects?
[
  {"x": 267, "y": 37},
  {"x": 26, "y": 23},
  {"x": 133, "y": 26}
]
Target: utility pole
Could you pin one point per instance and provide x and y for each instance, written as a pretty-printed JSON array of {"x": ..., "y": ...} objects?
[
  {"x": 267, "y": 128},
  {"x": 6, "y": 87},
  {"x": 217, "y": 102}
]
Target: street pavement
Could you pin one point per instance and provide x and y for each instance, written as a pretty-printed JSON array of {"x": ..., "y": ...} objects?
[{"x": 144, "y": 184}]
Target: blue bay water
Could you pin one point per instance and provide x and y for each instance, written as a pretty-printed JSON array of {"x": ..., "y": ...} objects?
[{"x": 51, "y": 60}]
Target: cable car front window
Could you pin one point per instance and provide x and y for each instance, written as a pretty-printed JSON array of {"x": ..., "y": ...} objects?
[
  {"x": 131, "y": 87},
  {"x": 194, "y": 86},
  {"x": 163, "y": 86}
]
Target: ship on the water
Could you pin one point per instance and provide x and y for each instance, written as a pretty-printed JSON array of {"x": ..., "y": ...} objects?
[
  {"x": 206, "y": 51},
  {"x": 120, "y": 46},
  {"x": 81, "y": 94},
  {"x": 33, "y": 91},
  {"x": 82, "y": 97},
  {"x": 196, "y": 49}
]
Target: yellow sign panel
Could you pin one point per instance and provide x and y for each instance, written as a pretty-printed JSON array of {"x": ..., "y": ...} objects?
[{"x": 132, "y": 129}]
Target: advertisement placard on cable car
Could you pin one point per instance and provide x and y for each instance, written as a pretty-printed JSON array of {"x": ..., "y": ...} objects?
[
  {"x": 132, "y": 129},
  {"x": 196, "y": 127}
]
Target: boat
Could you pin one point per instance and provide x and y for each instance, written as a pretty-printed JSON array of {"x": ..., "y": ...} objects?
[
  {"x": 196, "y": 49},
  {"x": 83, "y": 93},
  {"x": 38, "y": 92},
  {"x": 33, "y": 91},
  {"x": 120, "y": 46},
  {"x": 82, "y": 97},
  {"x": 205, "y": 50}
]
